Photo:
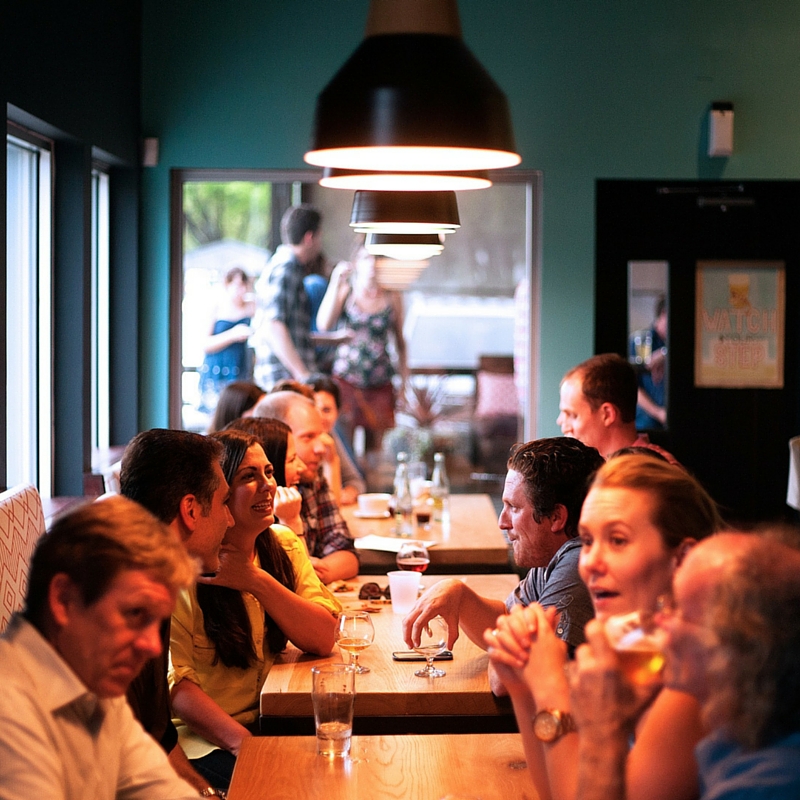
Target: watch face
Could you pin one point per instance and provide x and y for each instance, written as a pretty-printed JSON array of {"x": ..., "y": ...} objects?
[{"x": 546, "y": 726}]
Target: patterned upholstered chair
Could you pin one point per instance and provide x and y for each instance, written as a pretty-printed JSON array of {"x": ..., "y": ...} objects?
[{"x": 21, "y": 525}]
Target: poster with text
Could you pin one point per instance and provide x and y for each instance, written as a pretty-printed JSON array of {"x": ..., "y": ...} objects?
[{"x": 739, "y": 324}]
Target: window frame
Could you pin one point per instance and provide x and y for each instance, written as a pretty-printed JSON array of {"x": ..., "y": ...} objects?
[
  {"x": 100, "y": 309},
  {"x": 42, "y": 472},
  {"x": 533, "y": 241}
]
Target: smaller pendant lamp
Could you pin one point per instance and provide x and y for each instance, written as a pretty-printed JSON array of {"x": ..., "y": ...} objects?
[
  {"x": 405, "y": 212},
  {"x": 405, "y": 246},
  {"x": 398, "y": 275},
  {"x": 355, "y": 180}
]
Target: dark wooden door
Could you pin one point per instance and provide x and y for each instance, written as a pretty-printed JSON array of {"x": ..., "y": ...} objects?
[{"x": 733, "y": 440}]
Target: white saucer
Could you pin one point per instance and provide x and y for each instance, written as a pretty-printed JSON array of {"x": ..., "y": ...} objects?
[{"x": 361, "y": 515}]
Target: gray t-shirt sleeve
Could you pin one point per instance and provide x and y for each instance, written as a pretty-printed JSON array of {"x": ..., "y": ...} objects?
[{"x": 559, "y": 585}]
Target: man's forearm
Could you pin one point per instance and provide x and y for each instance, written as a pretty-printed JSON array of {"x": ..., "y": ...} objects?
[
  {"x": 337, "y": 566},
  {"x": 477, "y": 613}
]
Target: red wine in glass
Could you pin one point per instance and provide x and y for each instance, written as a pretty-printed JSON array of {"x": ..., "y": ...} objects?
[{"x": 413, "y": 556}]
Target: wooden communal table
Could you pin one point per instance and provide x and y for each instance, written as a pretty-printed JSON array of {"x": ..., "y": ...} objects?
[
  {"x": 390, "y": 698},
  {"x": 467, "y": 766},
  {"x": 471, "y": 543}
]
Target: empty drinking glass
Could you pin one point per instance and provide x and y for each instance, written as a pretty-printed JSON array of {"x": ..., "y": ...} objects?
[{"x": 432, "y": 641}]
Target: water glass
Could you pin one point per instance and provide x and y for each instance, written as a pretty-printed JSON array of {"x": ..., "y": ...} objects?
[{"x": 333, "y": 693}]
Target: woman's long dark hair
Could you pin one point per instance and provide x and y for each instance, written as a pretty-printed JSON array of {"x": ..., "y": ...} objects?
[
  {"x": 234, "y": 400},
  {"x": 226, "y": 622},
  {"x": 272, "y": 435}
]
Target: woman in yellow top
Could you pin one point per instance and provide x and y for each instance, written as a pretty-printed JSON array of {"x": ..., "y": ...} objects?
[{"x": 224, "y": 640}]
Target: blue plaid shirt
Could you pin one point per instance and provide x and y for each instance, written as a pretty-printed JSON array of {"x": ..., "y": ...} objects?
[
  {"x": 323, "y": 524},
  {"x": 282, "y": 297}
]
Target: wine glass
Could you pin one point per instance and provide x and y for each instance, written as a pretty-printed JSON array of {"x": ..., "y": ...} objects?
[
  {"x": 413, "y": 556},
  {"x": 432, "y": 641},
  {"x": 354, "y": 633}
]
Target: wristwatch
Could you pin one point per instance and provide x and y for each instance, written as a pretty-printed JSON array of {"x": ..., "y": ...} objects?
[
  {"x": 210, "y": 791},
  {"x": 551, "y": 724}
]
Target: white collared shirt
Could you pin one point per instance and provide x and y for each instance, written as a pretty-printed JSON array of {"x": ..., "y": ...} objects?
[{"x": 59, "y": 740}]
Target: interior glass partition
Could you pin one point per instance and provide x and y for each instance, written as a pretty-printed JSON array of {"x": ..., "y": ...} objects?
[{"x": 469, "y": 320}]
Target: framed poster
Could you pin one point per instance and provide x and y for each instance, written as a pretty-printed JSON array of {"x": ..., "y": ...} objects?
[{"x": 739, "y": 324}]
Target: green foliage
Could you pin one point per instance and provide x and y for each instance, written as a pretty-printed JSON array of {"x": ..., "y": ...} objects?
[{"x": 231, "y": 210}]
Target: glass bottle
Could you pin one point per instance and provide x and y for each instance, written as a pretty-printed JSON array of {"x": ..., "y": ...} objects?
[
  {"x": 402, "y": 500},
  {"x": 440, "y": 490}
]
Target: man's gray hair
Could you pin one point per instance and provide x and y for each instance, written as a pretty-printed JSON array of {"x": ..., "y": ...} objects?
[
  {"x": 754, "y": 616},
  {"x": 278, "y": 405}
]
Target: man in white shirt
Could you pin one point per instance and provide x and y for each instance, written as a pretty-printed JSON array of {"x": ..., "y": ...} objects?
[
  {"x": 101, "y": 583},
  {"x": 598, "y": 406}
]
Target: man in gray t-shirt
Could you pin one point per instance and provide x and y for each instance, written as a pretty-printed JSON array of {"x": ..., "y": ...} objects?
[
  {"x": 544, "y": 490},
  {"x": 558, "y": 584}
]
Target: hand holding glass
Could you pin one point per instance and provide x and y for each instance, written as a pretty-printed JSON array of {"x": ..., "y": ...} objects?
[
  {"x": 432, "y": 641},
  {"x": 639, "y": 644},
  {"x": 354, "y": 633}
]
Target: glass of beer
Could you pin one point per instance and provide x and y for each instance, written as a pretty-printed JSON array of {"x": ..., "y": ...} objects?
[{"x": 639, "y": 644}]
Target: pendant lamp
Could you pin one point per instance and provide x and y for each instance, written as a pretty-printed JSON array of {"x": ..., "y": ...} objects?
[
  {"x": 405, "y": 212},
  {"x": 356, "y": 179},
  {"x": 405, "y": 246},
  {"x": 398, "y": 275},
  {"x": 412, "y": 98}
]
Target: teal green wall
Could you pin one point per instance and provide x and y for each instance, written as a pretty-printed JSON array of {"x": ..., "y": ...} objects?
[{"x": 597, "y": 90}]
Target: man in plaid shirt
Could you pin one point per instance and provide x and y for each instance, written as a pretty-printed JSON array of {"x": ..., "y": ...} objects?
[
  {"x": 283, "y": 339},
  {"x": 327, "y": 536}
]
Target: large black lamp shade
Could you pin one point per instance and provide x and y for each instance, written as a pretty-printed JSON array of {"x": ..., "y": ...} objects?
[{"x": 412, "y": 101}]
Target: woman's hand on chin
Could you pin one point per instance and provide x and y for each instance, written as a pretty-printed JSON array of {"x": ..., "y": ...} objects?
[
  {"x": 287, "y": 503},
  {"x": 236, "y": 570}
]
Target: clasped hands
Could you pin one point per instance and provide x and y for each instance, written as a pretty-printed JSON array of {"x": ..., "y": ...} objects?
[
  {"x": 525, "y": 649},
  {"x": 529, "y": 658}
]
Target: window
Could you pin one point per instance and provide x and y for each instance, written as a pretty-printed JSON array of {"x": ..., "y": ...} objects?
[
  {"x": 100, "y": 310},
  {"x": 28, "y": 417}
]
